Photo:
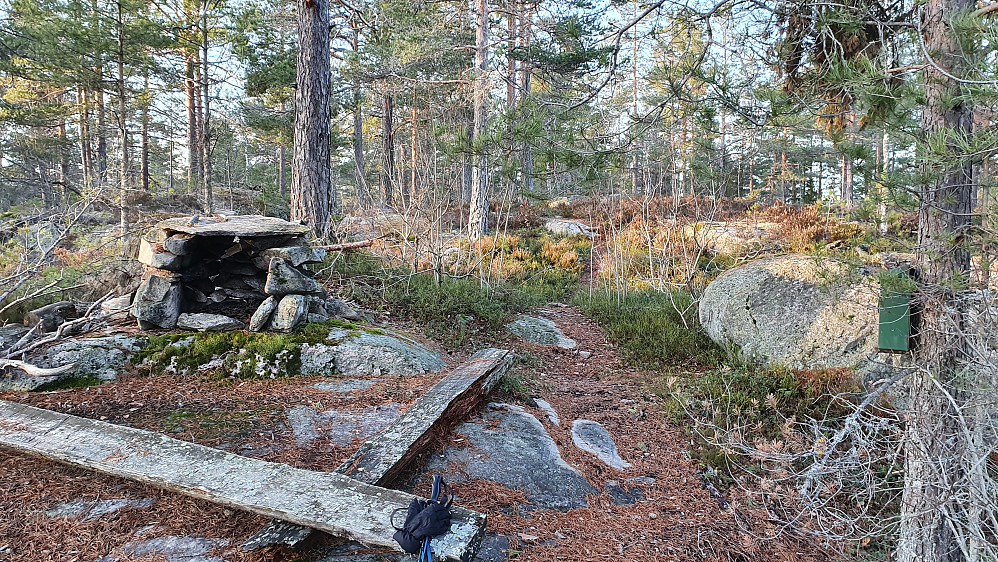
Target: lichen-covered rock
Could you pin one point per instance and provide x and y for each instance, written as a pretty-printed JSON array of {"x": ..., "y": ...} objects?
[
  {"x": 262, "y": 314},
  {"x": 368, "y": 354},
  {"x": 290, "y": 313},
  {"x": 318, "y": 359},
  {"x": 540, "y": 331},
  {"x": 295, "y": 255},
  {"x": 513, "y": 448},
  {"x": 794, "y": 311},
  {"x": 157, "y": 256},
  {"x": 204, "y": 322},
  {"x": 378, "y": 354},
  {"x": 103, "y": 358},
  {"x": 282, "y": 279},
  {"x": 592, "y": 437},
  {"x": 157, "y": 302},
  {"x": 561, "y": 227}
]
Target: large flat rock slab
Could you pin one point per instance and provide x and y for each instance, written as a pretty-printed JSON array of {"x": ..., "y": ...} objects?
[
  {"x": 540, "y": 331},
  {"x": 383, "y": 457},
  {"x": 509, "y": 445},
  {"x": 243, "y": 226},
  {"x": 593, "y": 438},
  {"x": 327, "y": 501}
]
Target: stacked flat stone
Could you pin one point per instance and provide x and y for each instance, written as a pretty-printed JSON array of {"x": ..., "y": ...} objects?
[{"x": 194, "y": 263}]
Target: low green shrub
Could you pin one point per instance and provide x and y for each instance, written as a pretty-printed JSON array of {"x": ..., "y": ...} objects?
[
  {"x": 455, "y": 310},
  {"x": 758, "y": 401},
  {"x": 652, "y": 328}
]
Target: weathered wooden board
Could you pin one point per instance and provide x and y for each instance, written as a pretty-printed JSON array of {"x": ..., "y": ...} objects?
[
  {"x": 381, "y": 458},
  {"x": 327, "y": 501}
]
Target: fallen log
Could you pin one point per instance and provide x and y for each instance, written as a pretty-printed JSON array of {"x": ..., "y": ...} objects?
[
  {"x": 384, "y": 456},
  {"x": 327, "y": 501},
  {"x": 35, "y": 370},
  {"x": 345, "y": 246}
]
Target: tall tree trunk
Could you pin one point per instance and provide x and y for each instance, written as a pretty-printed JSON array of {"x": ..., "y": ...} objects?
[
  {"x": 467, "y": 171},
  {"x": 310, "y": 181},
  {"x": 410, "y": 192},
  {"x": 388, "y": 147},
  {"x": 145, "y": 132},
  {"x": 884, "y": 152},
  {"x": 193, "y": 125},
  {"x": 122, "y": 120},
  {"x": 932, "y": 504},
  {"x": 478, "y": 220},
  {"x": 526, "y": 25},
  {"x": 282, "y": 159},
  {"x": 101, "y": 133},
  {"x": 635, "y": 174},
  {"x": 363, "y": 193},
  {"x": 207, "y": 197},
  {"x": 86, "y": 146},
  {"x": 847, "y": 172}
]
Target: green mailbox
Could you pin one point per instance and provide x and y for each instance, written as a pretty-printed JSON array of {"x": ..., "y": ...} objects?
[{"x": 894, "y": 334}]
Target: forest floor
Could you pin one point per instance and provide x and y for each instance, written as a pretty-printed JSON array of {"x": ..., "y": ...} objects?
[{"x": 671, "y": 513}]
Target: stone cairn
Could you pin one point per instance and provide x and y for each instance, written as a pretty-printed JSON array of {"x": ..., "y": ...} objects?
[{"x": 210, "y": 273}]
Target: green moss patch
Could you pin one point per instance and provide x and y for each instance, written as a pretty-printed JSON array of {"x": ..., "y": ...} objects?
[{"x": 234, "y": 354}]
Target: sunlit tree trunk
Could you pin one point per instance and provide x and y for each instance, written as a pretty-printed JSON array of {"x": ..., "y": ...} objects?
[
  {"x": 145, "y": 133},
  {"x": 526, "y": 25},
  {"x": 207, "y": 197},
  {"x": 310, "y": 180},
  {"x": 388, "y": 147},
  {"x": 934, "y": 439},
  {"x": 363, "y": 194},
  {"x": 122, "y": 120},
  {"x": 478, "y": 220}
]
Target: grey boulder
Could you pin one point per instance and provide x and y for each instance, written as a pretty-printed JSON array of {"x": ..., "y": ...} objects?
[
  {"x": 157, "y": 302},
  {"x": 513, "y": 449},
  {"x": 540, "y": 331},
  {"x": 378, "y": 354},
  {"x": 593, "y": 438},
  {"x": 204, "y": 322},
  {"x": 262, "y": 314},
  {"x": 282, "y": 279},
  {"x": 794, "y": 311},
  {"x": 290, "y": 313}
]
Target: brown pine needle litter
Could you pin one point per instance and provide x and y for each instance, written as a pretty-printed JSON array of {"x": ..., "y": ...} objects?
[{"x": 674, "y": 517}]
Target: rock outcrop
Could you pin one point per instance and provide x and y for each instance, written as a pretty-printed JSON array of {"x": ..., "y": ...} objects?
[
  {"x": 540, "y": 331},
  {"x": 365, "y": 354},
  {"x": 796, "y": 311}
]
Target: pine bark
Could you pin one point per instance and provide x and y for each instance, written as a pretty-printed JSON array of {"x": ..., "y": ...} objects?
[
  {"x": 934, "y": 441},
  {"x": 122, "y": 121},
  {"x": 363, "y": 193},
  {"x": 193, "y": 124},
  {"x": 86, "y": 146},
  {"x": 388, "y": 148},
  {"x": 207, "y": 197},
  {"x": 310, "y": 178},
  {"x": 145, "y": 134},
  {"x": 478, "y": 220}
]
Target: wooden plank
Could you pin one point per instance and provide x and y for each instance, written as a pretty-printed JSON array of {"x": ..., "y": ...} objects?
[
  {"x": 383, "y": 457},
  {"x": 327, "y": 501}
]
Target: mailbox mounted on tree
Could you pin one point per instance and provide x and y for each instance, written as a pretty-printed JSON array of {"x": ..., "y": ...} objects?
[{"x": 897, "y": 316}]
